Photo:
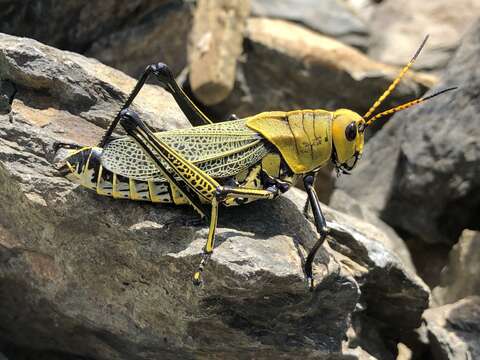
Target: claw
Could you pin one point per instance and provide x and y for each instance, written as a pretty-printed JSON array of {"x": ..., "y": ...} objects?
[
  {"x": 310, "y": 283},
  {"x": 197, "y": 280}
]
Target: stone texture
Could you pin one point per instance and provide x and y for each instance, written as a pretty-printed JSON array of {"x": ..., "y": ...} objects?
[
  {"x": 216, "y": 42},
  {"x": 392, "y": 293},
  {"x": 429, "y": 155},
  {"x": 8, "y": 91},
  {"x": 289, "y": 67},
  {"x": 92, "y": 277},
  {"x": 344, "y": 203},
  {"x": 159, "y": 36},
  {"x": 454, "y": 330},
  {"x": 126, "y": 34},
  {"x": 398, "y": 27},
  {"x": 329, "y": 17},
  {"x": 53, "y": 85},
  {"x": 365, "y": 341},
  {"x": 461, "y": 277}
]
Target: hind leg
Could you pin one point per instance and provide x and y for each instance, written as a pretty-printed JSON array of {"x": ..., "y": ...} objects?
[{"x": 167, "y": 81}]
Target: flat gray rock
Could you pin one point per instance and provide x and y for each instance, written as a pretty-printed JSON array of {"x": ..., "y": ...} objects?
[
  {"x": 460, "y": 277},
  {"x": 454, "y": 330},
  {"x": 125, "y": 34},
  {"x": 398, "y": 27},
  {"x": 330, "y": 17}
]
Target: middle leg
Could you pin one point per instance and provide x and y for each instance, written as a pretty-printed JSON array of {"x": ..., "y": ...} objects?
[{"x": 320, "y": 224}]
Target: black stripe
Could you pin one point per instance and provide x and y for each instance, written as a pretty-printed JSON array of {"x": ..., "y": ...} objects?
[{"x": 293, "y": 135}]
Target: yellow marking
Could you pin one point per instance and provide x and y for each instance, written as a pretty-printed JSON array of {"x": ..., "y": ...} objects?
[
  {"x": 213, "y": 226},
  {"x": 115, "y": 193},
  {"x": 134, "y": 195},
  {"x": 99, "y": 189},
  {"x": 177, "y": 196},
  {"x": 271, "y": 165},
  {"x": 250, "y": 180},
  {"x": 86, "y": 175},
  {"x": 150, "y": 191}
]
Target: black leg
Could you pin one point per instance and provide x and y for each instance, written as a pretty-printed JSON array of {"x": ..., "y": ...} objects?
[
  {"x": 148, "y": 71},
  {"x": 129, "y": 121},
  {"x": 167, "y": 81},
  {"x": 191, "y": 111},
  {"x": 320, "y": 223}
]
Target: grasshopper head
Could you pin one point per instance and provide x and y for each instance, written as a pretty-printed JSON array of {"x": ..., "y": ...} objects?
[
  {"x": 349, "y": 127},
  {"x": 347, "y": 137}
]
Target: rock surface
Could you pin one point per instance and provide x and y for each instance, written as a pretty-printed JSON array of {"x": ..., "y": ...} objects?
[
  {"x": 216, "y": 42},
  {"x": 159, "y": 36},
  {"x": 398, "y": 27},
  {"x": 127, "y": 34},
  {"x": 60, "y": 84},
  {"x": 454, "y": 330},
  {"x": 288, "y": 66},
  {"x": 109, "y": 279},
  {"x": 461, "y": 277},
  {"x": 329, "y": 17},
  {"x": 342, "y": 202},
  {"x": 429, "y": 155}
]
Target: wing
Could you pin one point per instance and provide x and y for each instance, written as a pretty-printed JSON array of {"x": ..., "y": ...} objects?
[{"x": 221, "y": 150}]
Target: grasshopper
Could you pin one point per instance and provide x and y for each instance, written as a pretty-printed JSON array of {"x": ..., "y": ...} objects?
[{"x": 228, "y": 163}]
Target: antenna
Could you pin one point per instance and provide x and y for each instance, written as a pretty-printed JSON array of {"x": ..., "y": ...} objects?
[
  {"x": 407, "y": 105},
  {"x": 395, "y": 82}
]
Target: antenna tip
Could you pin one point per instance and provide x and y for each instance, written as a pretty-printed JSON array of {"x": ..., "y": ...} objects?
[
  {"x": 420, "y": 47},
  {"x": 440, "y": 92}
]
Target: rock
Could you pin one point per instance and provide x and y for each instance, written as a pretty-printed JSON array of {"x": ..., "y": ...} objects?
[
  {"x": 429, "y": 155},
  {"x": 344, "y": 203},
  {"x": 53, "y": 85},
  {"x": 363, "y": 8},
  {"x": 13, "y": 352},
  {"x": 454, "y": 330},
  {"x": 460, "y": 278},
  {"x": 329, "y": 17},
  {"x": 215, "y": 44},
  {"x": 281, "y": 72},
  {"x": 392, "y": 293},
  {"x": 160, "y": 36},
  {"x": 404, "y": 352},
  {"x": 126, "y": 34},
  {"x": 7, "y": 90},
  {"x": 429, "y": 259},
  {"x": 365, "y": 341},
  {"x": 92, "y": 277},
  {"x": 398, "y": 28}
]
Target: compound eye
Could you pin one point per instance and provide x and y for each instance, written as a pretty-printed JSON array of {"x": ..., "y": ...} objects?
[{"x": 351, "y": 131}]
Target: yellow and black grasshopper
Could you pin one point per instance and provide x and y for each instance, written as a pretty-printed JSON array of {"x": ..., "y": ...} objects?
[{"x": 227, "y": 163}]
